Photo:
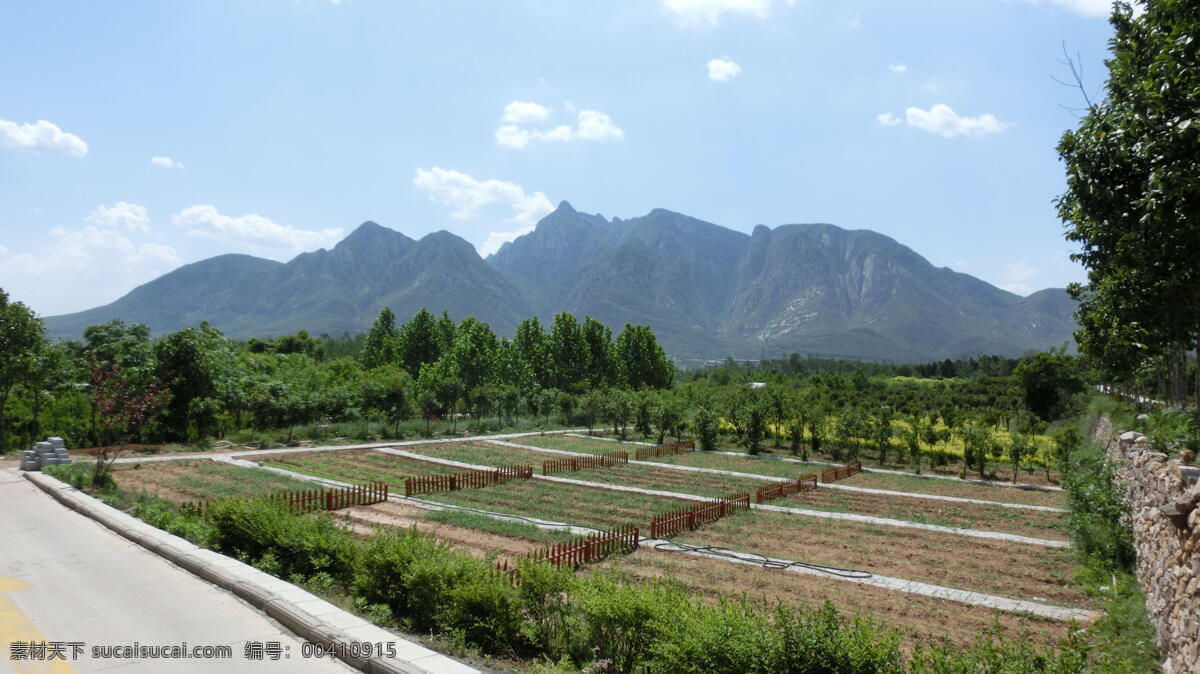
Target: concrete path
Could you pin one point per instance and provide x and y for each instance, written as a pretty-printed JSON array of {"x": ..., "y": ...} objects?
[
  {"x": 771, "y": 478},
  {"x": 184, "y": 456},
  {"x": 866, "y": 469},
  {"x": 753, "y": 559},
  {"x": 848, "y": 517},
  {"x": 66, "y": 578}
]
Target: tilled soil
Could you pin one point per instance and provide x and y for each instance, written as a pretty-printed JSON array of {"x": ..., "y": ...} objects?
[
  {"x": 923, "y": 619},
  {"x": 1013, "y": 570},
  {"x": 399, "y": 514},
  {"x": 1038, "y": 524}
]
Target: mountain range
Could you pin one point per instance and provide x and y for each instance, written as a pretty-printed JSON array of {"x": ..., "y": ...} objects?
[{"x": 707, "y": 291}]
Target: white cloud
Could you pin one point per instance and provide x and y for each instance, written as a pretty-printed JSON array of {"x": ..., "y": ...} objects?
[
  {"x": 167, "y": 162},
  {"x": 854, "y": 22},
  {"x": 1091, "y": 8},
  {"x": 1017, "y": 277},
  {"x": 466, "y": 195},
  {"x": 943, "y": 121},
  {"x": 596, "y": 125},
  {"x": 711, "y": 11},
  {"x": 524, "y": 112},
  {"x": 42, "y": 136},
  {"x": 723, "y": 70},
  {"x": 511, "y": 135},
  {"x": 496, "y": 239},
  {"x": 252, "y": 230},
  {"x": 898, "y": 68},
  {"x": 888, "y": 119},
  {"x": 591, "y": 125},
  {"x": 130, "y": 216},
  {"x": 82, "y": 268}
]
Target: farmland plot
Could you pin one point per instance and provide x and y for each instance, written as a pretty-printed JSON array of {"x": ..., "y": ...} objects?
[
  {"x": 196, "y": 480},
  {"x": 1033, "y": 523},
  {"x": 924, "y": 619},
  {"x": 358, "y": 465},
  {"x": 571, "y": 504},
  {"x": 1013, "y": 570}
]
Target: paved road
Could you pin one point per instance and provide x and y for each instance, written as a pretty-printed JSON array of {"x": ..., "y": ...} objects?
[{"x": 66, "y": 578}]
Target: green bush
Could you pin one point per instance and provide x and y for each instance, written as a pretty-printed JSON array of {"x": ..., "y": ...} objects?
[
  {"x": 993, "y": 653},
  {"x": 161, "y": 514},
  {"x": 301, "y": 545},
  {"x": 821, "y": 641},
  {"x": 1172, "y": 431},
  {"x": 621, "y": 622},
  {"x": 545, "y": 594},
  {"x": 1098, "y": 521},
  {"x": 729, "y": 637}
]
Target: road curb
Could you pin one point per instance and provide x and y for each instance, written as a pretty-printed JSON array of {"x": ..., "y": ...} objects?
[{"x": 331, "y": 626}]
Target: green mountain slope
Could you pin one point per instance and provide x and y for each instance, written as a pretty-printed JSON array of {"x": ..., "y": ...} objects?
[
  {"x": 706, "y": 290},
  {"x": 325, "y": 291}
]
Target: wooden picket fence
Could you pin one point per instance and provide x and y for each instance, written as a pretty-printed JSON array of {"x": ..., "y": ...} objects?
[
  {"x": 664, "y": 450},
  {"x": 687, "y": 519},
  {"x": 580, "y": 550},
  {"x": 475, "y": 479},
  {"x": 582, "y": 462},
  {"x": 841, "y": 473},
  {"x": 308, "y": 500},
  {"x": 804, "y": 483}
]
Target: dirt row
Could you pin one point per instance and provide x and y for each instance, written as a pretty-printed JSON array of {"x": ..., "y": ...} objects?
[
  {"x": 924, "y": 619},
  {"x": 466, "y": 539},
  {"x": 1012, "y": 570}
]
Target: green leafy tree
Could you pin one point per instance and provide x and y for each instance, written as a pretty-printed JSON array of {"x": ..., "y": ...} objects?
[
  {"x": 420, "y": 341},
  {"x": 668, "y": 415},
  {"x": 21, "y": 336},
  {"x": 390, "y": 390},
  {"x": 618, "y": 409},
  {"x": 704, "y": 420},
  {"x": 383, "y": 341},
  {"x": 532, "y": 350},
  {"x": 1133, "y": 192},
  {"x": 1050, "y": 382},
  {"x": 199, "y": 368},
  {"x": 1066, "y": 440},
  {"x": 474, "y": 353},
  {"x": 591, "y": 405},
  {"x": 756, "y": 428},
  {"x": 568, "y": 354},
  {"x": 642, "y": 360},
  {"x": 601, "y": 355},
  {"x": 440, "y": 382},
  {"x": 645, "y": 404}
]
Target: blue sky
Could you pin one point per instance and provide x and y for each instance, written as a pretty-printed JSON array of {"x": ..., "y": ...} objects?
[{"x": 138, "y": 136}]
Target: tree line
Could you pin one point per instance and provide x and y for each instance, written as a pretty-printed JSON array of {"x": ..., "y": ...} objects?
[{"x": 119, "y": 385}]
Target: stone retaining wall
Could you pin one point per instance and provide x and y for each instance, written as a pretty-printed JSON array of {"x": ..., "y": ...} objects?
[{"x": 1162, "y": 500}]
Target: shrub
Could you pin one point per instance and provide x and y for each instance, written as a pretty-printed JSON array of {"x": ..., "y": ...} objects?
[
  {"x": 545, "y": 594},
  {"x": 621, "y": 622},
  {"x": 819, "y": 641},
  {"x": 302, "y": 546},
  {"x": 1097, "y": 519},
  {"x": 729, "y": 637}
]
